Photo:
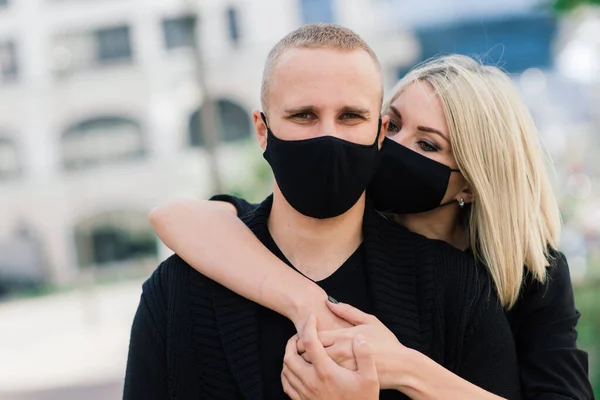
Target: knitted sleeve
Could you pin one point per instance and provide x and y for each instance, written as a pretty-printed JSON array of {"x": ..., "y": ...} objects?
[
  {"x": 146, "y": 375},
  {"x": 543, "y": 322}
]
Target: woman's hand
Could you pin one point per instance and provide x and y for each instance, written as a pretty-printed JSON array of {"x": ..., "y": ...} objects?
[
  {"x": 323, "y": 378},
  {"x": 385, "y": 347},
  {"x": 398, "y": 367},
  {"x": 315, "y": 301}
]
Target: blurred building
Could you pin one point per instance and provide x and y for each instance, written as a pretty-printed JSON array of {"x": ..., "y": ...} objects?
[{"x": 99, "y": 114}]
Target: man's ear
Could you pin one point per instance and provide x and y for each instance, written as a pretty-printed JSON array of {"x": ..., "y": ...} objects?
[
  {"x": 385, "y": 121},
  {"x": 260, "y": 129}
]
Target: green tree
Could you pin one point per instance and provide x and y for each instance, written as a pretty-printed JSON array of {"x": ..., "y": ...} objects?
[{"x": 565, "y": 6}]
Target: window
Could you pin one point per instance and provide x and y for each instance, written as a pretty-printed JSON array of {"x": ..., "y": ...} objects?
[
  {"x": 180, "y": 32},
  {"x": 9, "y": 68},
  {"x": 9, "y": 159},
  {"x": 102, "y": 140},
  {"x": 233, "y": 119},
  {"x": 233, "y": 25},
  {"x": 316, "y": 11},
  {"x": 113, "y": 44},
  {"x": 114, "y": 237},
  {"x": 83, "y": 50}
]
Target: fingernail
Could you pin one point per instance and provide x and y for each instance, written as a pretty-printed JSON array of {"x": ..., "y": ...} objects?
[{"x": 331, "y": 299}]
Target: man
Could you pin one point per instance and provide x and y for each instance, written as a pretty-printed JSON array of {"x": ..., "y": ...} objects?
[{"x": 321, "y": 132}]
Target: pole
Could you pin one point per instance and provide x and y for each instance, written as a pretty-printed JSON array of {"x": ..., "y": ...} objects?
[{"x": 208, "y": 121}]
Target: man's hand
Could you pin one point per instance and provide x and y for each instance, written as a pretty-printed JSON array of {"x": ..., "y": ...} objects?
[
  {"x": 324, "y": 379},
  {"x": 385, "y": 347}
]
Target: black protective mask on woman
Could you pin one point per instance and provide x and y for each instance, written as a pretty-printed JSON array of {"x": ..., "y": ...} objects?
[
  {"x": 408, "y": 182},
  {"x": 321, "y": 177}
]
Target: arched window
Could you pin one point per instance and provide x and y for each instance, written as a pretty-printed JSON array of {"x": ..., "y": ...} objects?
[
  {"x": 114, "y": 237},
  {"x": 9, "y": 159},
  {"x": 234, "y": 123},
  {"x": 102, "y": 140}
]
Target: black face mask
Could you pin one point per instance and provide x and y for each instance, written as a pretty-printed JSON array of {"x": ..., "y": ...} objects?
[
  {"x": 408, "y": 182},
  {"x": 321, "y": 177}
]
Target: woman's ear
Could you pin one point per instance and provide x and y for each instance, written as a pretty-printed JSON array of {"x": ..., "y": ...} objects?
[
  {"x": 260, "y": 129},
  {"x": 466, "y": 194}
]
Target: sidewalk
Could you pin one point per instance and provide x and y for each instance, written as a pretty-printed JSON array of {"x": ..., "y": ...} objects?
[{"x": 71, "y": 340}]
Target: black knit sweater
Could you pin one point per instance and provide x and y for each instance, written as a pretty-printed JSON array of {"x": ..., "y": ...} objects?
[{"x": 194, "y": 339}]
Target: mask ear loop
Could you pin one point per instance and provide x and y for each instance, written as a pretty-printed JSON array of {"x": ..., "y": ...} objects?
[
  {"x": 264, "y": 118},
  {"x": 461, "y": 202}
]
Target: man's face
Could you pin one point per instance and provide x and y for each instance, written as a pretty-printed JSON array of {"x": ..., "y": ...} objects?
[{"x": 323, "y": 92}]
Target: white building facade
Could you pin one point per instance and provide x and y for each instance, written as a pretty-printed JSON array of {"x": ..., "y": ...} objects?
[{"x": 98, "y": 112}]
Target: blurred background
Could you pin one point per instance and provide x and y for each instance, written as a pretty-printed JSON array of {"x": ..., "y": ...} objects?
[{"x": 109, "y": 107}]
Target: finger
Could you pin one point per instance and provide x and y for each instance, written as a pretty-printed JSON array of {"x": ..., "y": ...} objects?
[
  {"x": 314, "y": 348},
  {"x": 294, "y": 361},
  {"x": 350, "y": 314},
  {"x": 329, "y": 338},
  {"x": 306, "y": 357},
  {"x": 342, "y": 355},
  {"x": 288, "y": 388},
  {"x": 364, "y": 359}
]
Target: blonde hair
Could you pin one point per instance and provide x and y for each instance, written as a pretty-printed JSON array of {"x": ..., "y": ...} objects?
[
  {"x": 514, "y": 220},
  {"x": 314, "y": 36}
]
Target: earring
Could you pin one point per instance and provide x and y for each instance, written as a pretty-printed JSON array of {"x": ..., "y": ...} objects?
[{"x": 461, "y": 203}]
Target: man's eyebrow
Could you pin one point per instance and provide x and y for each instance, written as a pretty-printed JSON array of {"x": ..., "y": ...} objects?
[
  {"x": 299, "y": 110},
  {"x": 356, "y": 110}
]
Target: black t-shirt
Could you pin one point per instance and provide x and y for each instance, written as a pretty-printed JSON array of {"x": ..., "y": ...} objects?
[{"x": 347, "y": 284}]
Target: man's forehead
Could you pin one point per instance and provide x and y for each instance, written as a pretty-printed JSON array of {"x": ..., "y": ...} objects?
[{"x": 325, "y": 78}]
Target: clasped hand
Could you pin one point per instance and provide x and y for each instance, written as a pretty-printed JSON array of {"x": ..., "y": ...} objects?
[{"x": 339, "y": 363}]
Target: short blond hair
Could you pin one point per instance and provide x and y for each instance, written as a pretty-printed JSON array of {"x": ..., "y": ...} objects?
[
  {"x": 317, "y": 36},
  {"x": 514, "y": 219}
]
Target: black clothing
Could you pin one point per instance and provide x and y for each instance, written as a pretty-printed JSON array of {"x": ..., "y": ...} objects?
[
  {"x": 543, "y": 323},
  {"x": 347, "y": 284},
  {"x": 194, "y": 339}
]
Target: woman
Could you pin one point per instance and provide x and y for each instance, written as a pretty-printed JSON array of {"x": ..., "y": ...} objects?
[{"x": 462, "y": 164}]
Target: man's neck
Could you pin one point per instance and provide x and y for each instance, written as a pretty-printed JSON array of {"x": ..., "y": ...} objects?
[{"x": 316, "y": 247}]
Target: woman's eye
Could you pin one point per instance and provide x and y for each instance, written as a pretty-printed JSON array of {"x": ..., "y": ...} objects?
[
  {"x": 393, "y": 128},
  {"x": 426, "y": 146}
]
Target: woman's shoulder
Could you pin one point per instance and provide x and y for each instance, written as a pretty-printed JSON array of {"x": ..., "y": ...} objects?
[{"x": 555, "y": 293}]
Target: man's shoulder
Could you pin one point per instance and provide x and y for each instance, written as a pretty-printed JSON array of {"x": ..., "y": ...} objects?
[
  {"x": 172, "y": 281},
  {"x": 454, "y": 278},
  {"x": 454, "y": 265}
]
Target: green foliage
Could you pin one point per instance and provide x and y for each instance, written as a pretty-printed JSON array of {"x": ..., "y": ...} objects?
[
  {"x": 257, "y": 180},
  {"x": 588, "y": 303},
  {"x": 564, "y": 6}
]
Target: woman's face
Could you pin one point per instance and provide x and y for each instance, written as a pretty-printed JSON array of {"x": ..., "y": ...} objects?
[{"x": 417, "y": 121}]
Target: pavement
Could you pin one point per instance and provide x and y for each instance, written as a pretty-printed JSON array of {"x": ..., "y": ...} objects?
[{"x": 67, "y": 346}]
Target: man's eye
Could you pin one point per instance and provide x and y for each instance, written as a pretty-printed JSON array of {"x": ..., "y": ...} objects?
[
  {"x": 303, "y": 116},
  {"x": 350, "y": 116}
]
